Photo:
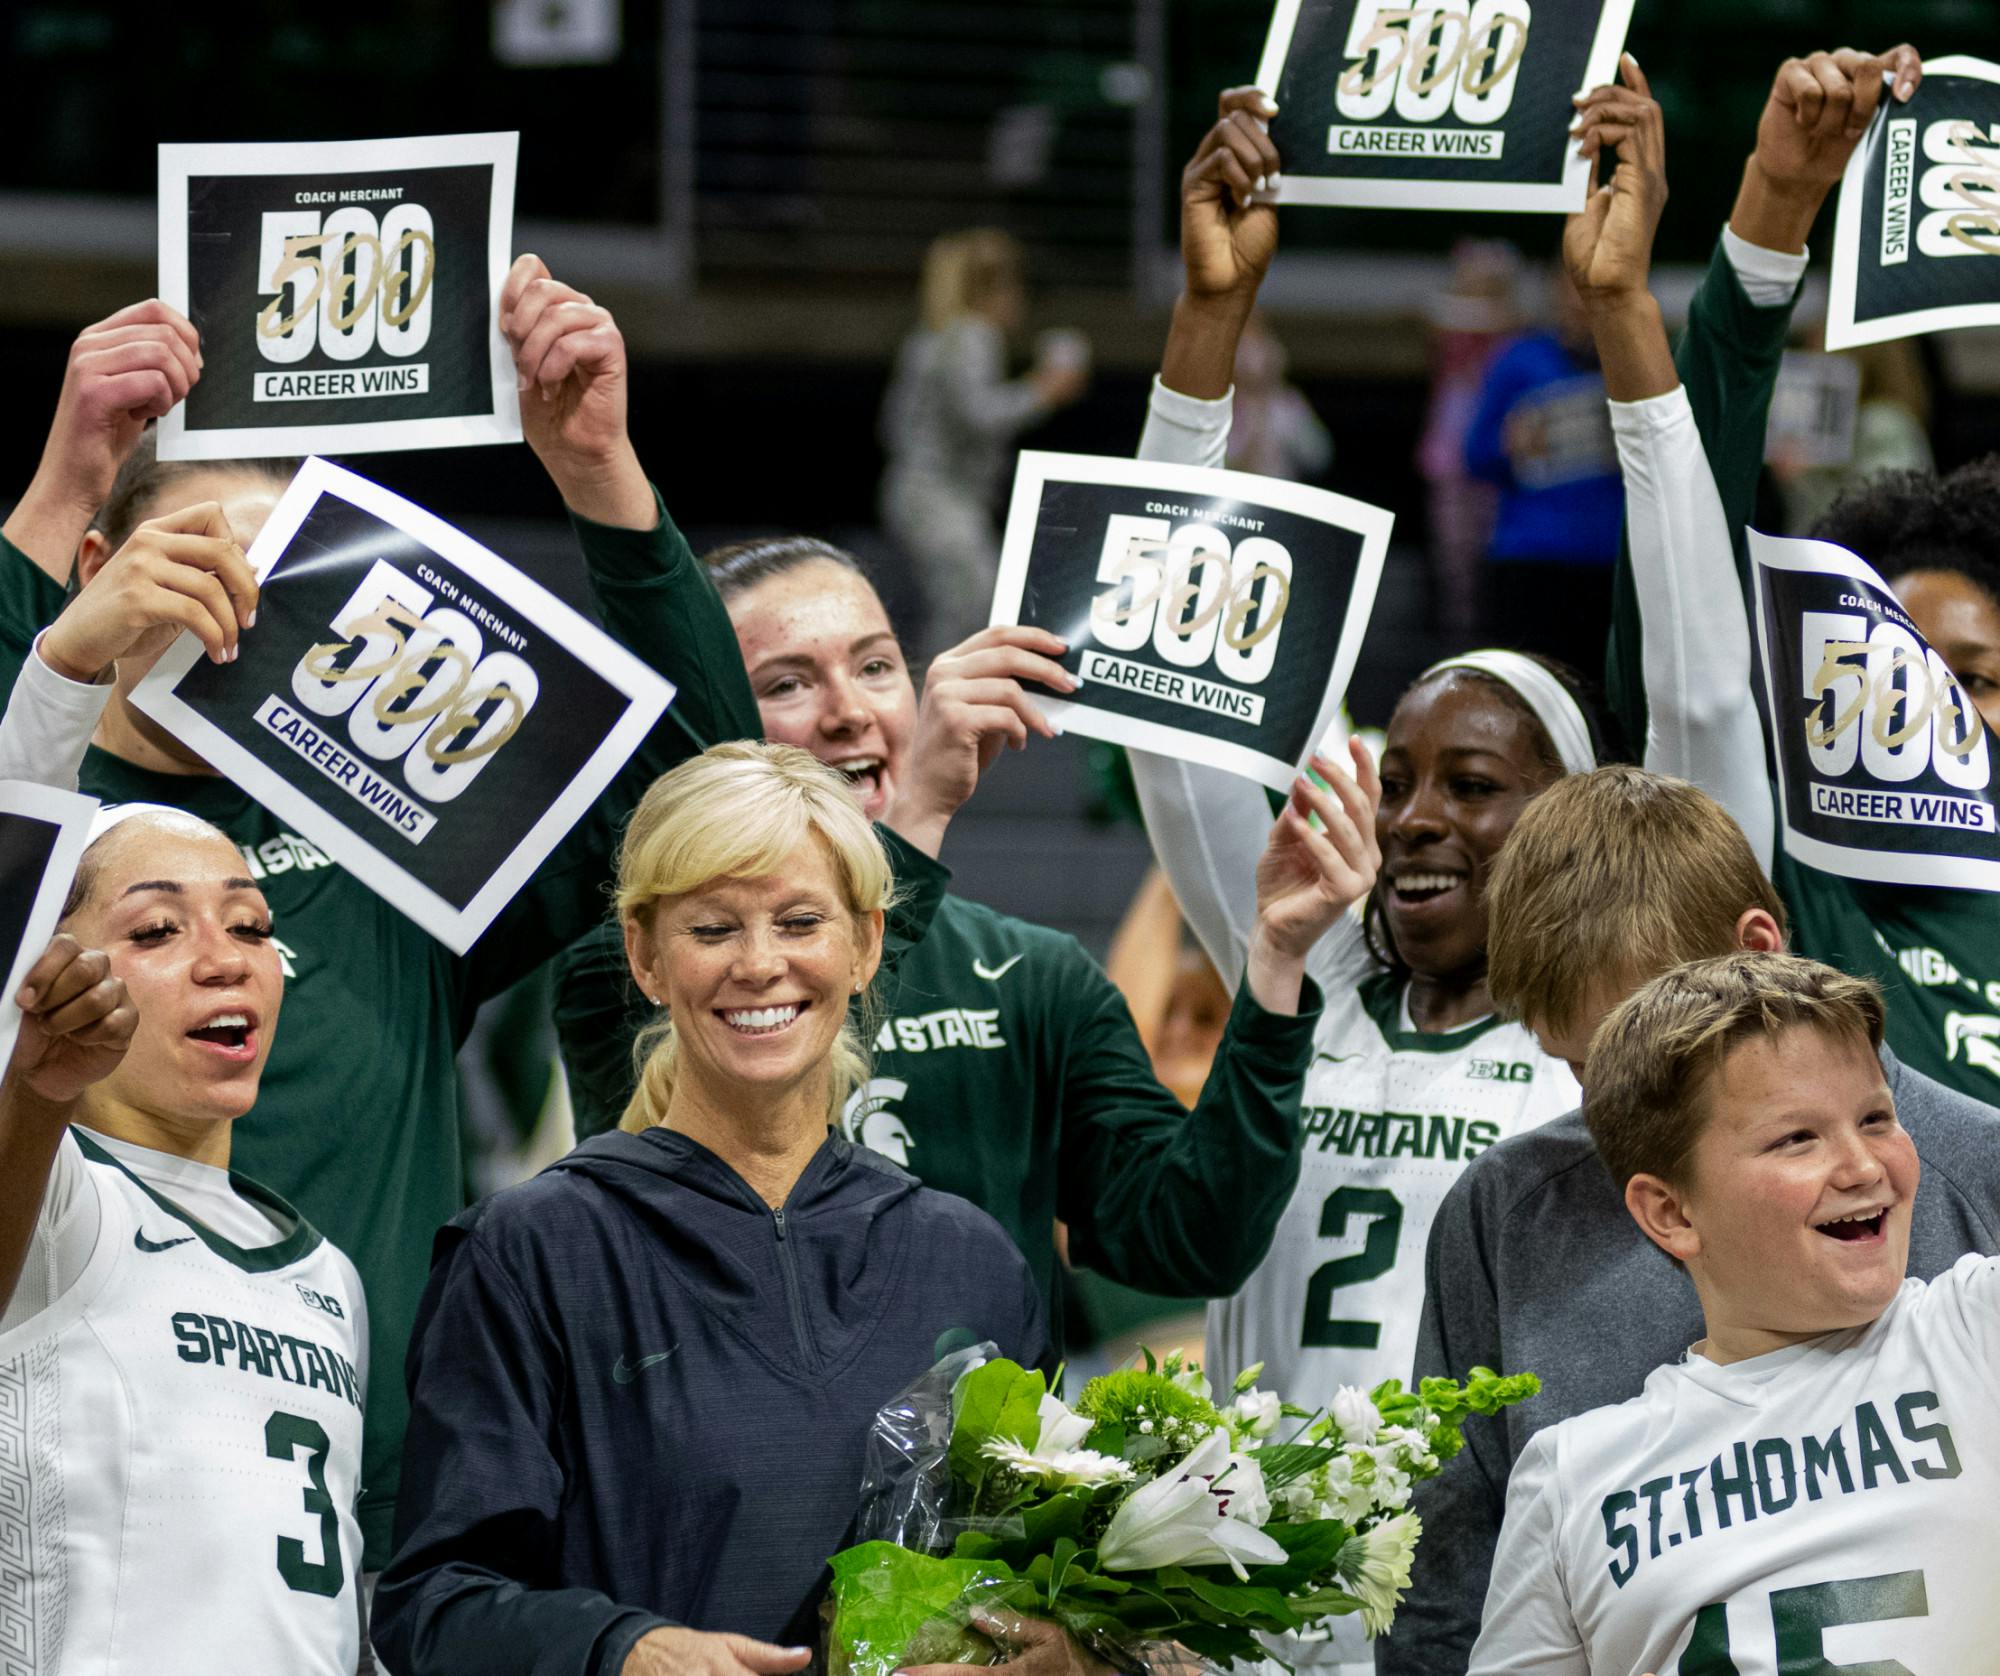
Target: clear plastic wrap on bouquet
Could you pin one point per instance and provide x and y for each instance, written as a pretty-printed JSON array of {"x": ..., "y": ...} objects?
[{"x": 906, "y": 1474}]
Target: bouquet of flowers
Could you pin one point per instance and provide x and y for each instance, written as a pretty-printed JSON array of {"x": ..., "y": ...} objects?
[{"x": 1147, "y": 1516}]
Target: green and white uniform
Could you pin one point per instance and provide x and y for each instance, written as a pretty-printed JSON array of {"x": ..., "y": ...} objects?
[
  {"x": 1680, "y": 675},
  {"x": 356, "y": 1121},
  {"x": 182, "y": 1371},
  {"x": 1007, "y": 1068},
  {"x": 1827, "y": 1507},
  {"x": 1391, "y": 1115}
]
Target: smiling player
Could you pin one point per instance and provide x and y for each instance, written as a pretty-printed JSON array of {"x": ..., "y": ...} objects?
[
  {"x": 1808, "y": 1488},
  {"x": 1414, "y": 1074},
  {"x": 187, "y": 1356}
]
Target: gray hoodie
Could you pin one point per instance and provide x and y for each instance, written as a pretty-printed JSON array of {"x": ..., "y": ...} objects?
[{"x": 1535, "y": 1265}]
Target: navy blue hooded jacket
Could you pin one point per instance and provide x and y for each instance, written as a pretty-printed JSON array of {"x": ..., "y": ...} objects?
[{"x": 638, "y": 1396}]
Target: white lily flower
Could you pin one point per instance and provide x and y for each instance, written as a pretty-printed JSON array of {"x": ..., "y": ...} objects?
[
  {"x": 1255, "y": 1412},
  {"x": 1061, "y": 1427},
  {"x": 1180, "y": 1519},
  {"x": 1063, "y": 1469},
  {"x": 1355, "y": 1414},
  {"x": 1240, "y": 1486},
  {"x": 1376, "y": 1568}
]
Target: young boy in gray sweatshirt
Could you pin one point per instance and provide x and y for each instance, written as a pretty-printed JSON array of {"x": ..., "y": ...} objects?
[{"x": 1534, "y": 1263}]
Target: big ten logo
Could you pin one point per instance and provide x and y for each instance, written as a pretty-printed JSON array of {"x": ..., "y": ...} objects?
[
  {"x": 1194, "y": 597},
  {"x": 1426, "y": 60},
  {"x": 416, "y": 685},
  {"x": 1881, "y": 697},
  {"x": 1961, "y": 190},
  {"x": 345, "y": 284},
  {"x": 322, "y": 1301}
]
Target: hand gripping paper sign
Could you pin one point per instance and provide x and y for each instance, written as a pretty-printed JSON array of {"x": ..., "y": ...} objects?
[
  {"x": 1436, "y": 104},
  {"x": 42, "y": 835},
  {"x": 430, "y": 717},
  {"x": 1211, "y": 615},
  {"x": 1884, "y": 768},
  {"x": 1916, "y": 240},
  {"x": 345, "y": 293}
]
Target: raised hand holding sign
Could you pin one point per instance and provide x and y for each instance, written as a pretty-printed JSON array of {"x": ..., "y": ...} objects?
[
  {"x": 1207, "y": 614},
  {"x": 429, "y": 716},
  {"x": 345, "y": 293}
]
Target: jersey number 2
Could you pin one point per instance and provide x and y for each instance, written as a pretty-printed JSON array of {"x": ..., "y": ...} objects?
[
  {"x": 1799, "y": 1619},
  {"x": 284, "y": 1435},
  {"x": 1376, "y": 1258}
]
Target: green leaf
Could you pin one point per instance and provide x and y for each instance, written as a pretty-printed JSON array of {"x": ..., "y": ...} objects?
[
  {"x": 1241, "y": 1600},
  {"x": 1061, "y": 1516},
  {"x": 1062, "y": 1560},
  {"x": 1281, "y": 1463},
  {"x": 1324, "y": 1603},
  {"x": 885, "y": 1596},
  {"x": 1107, "y": 1437},
  {"x": 981, "y": 1395},
  {"x": 1310, "y": 1550},
  {"x": 1223, "y": 1645},
  {"x": 996, "y": 1399}
]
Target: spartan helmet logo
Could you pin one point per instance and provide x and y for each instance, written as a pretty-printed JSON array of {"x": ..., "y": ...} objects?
[
  {"x": 1977, "y": 1035},
  {"x": 870, "y": 1119}
]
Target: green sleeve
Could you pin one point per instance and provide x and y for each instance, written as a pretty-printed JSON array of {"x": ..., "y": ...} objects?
[
  {"x": 599, "y": 1011},
  {"x": 1728, "y": 359},
  {"x": 1167, "y": 1200},
  {"x": 651, "y": 594},
  {"x": 29, "y": 601}
]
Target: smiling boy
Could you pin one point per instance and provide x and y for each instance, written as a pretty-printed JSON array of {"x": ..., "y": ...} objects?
[{"x": 1808, "y": 1488}]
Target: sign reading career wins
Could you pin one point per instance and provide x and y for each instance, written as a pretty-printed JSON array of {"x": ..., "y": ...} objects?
[
  {"x": 430, "y": 717},
  {"x": 1916, "y": 242},
  {"x": 345, "y": 293},
  {"x": 1884, "y": 768},
  {"x": 1212, "y": 615},
  {"x": 1436, "y": 104}
]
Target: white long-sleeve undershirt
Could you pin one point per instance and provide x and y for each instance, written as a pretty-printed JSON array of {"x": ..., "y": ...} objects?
[
  {"x": 1701, "y": 709},
  {"x": 1209, "y": 826}
]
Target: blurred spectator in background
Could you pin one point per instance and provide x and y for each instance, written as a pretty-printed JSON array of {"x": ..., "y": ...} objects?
[
  {"x": 950, "y": 418},
  {"x": 1273, "y": 430},
  {"x": 1542, "y": 434},
  {"x": 1180, "y": 1006},
  {"x": 1849, "y": 417},
  {"x": 1178, "y": 1002},
  {"x": 1470, "y": 322}
]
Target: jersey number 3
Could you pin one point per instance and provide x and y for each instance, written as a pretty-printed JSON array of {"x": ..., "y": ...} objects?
[
  {"x": 1374, "y": 1259},
  {"x": 284, "y": 1435}
]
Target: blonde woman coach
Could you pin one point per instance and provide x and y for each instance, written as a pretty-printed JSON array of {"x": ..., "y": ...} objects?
[{"x": 641, "y": 1383}]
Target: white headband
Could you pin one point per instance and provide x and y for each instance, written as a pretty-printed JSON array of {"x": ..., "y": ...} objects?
[
  {"x": 1543, "y": 694},
  {"x": 110, "y": 815}
]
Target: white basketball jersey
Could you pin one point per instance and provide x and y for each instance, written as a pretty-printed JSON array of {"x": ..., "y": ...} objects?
[
  {"x": 1828, "y": 1507},
  {"x": 180, "y": 1448},
  {"x": 1392, "y": 1116}
]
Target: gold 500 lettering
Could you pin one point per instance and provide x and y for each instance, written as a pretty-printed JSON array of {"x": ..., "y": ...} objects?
[
  {"x": 346, "y": 284},
  {"x": 1457, "y": 57},
  {"x": 406, "y": 670}
]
